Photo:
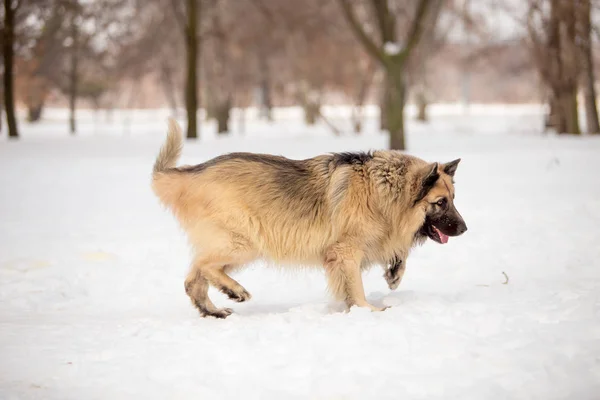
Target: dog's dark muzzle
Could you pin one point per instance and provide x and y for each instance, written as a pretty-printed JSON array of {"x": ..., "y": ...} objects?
[{"x": 451, "y": 223}]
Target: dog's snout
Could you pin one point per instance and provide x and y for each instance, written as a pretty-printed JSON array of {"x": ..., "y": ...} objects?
[{"x": 462, "y": 228}]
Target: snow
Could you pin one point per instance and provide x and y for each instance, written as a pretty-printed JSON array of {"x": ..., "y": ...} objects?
[
  {"x": 391, "y": 48},
  {"x": 92, "y": 304}
]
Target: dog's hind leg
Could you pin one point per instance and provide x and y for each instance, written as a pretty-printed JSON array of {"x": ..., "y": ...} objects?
[
  {"x": 212, "y": 267},
  {"x": 225, "y": 284},
  {"x": 342, "y": 263},
  {"x": 196, "y": 287}
]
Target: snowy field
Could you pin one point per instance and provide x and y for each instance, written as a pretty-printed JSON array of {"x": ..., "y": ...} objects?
[{"x": 92, "y": 304}]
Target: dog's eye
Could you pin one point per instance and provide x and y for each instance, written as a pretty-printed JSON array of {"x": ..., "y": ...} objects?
[{"x": 441, "y": 202}]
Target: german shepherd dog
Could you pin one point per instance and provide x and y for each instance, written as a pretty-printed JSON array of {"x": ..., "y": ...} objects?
[{"x": 343, "y": 211}]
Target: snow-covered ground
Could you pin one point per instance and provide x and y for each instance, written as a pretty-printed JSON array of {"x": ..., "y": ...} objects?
[{"x": 92, "y": 304}]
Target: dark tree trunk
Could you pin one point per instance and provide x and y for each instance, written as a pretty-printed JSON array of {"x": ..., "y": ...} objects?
[
  {"x": 191, "y": 86},
  {"x": 562, "y": 74},
  {"x": 551, "y": 118},
  {"x": 34, "y": 113},
  {"x": 73, "y": 73},
  {"x": 385, "y": 94},
  {"x": 210, "y": 103},
  {"x": 222, "y": 111},
  {"x": 311, "y": 113},
  {"x": 265, "y": 87},
  {"x": 569, "y": 108},
  {"x": 8, "y": 51},
  {"x": 421, "y": 106},
  {"x": 591, "y": 109},
  {"x": 571, "y": 67},
  {"x": 1, "y": 101},
  {"x": 394, "y": 108},
  {"x": 265, "y": 107},
  {"x": 311, "y": 106}
]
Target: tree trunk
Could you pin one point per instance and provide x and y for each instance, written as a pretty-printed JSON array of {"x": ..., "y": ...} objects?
[
  {"x": 392, "y": 112},
  {"x": 591, "y": 110},
  {"x": 34, "y": 113},
  {"x": 385, "y": 94},
  {"x": 551, "y": 119},
  {"x": 421, "y": 105},
  {"x": 242, "y": 111},
  {"x": 266, "y": 107},
  {"x": 191, "y": 96},
  {"x": 311, "y": 113},
  {"x": 562, "y": 66},
  {"x": 394, "y": 107},
  {"x": 361, "y": 95},
  {"x": 222, "y": 115},
  {"x": 73, "y": 73},
  {"x": 571, "y": 67},
  {"x": 8, "y": 50},
  {"x": 569, "y": 110},
  {"x": 265, "y": 88}
]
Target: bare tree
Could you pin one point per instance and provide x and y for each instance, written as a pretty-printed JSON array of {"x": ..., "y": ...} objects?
[
  {"x": 73, "y": 73},
  {"x": 42, "y": 63},
  {"x": 218, "y": 65},
  {"x": 8, "y": 38},
  {"x": 432, "y": 41},
  {"x": 188, "y": 16},
  {"x": 365, "y": 78},
  {"x": 392, "y": 56},
  {"x": 553, "y": 40},
  {"x": 587, "y": 64}
]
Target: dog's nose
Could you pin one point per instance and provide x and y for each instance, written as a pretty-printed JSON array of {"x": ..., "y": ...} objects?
[{"x": 462, "y": 229}]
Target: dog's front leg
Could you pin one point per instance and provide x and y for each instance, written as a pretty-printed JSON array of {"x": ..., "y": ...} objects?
[
  {"x": 395, "y": 271},
  {"x": 342, "y": 263}
]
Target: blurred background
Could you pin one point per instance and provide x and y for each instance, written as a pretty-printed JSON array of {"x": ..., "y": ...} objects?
[{"x": 337, "y": 64}]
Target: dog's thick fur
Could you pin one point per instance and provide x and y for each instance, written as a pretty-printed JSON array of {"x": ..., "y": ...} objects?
[{"x": 344, "y": 212}]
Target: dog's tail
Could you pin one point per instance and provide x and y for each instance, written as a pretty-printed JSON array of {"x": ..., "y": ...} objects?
[
  {"x": 171, "y": 149},
  {"x": 168, "y": 186}
]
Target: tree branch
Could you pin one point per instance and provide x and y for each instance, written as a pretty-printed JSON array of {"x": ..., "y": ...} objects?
[
  {"x": 372, "y": 49},
  {"x": 416, "y": 29},
  {"x": 179, "y": 15},
  {"x": 385, "y": 21}
]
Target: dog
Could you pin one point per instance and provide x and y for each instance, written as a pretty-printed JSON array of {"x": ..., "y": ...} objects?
[{"x": 343, "y": 212}]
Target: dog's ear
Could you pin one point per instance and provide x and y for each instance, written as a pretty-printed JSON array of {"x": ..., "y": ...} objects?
[
  {"x": 450, "y": 168},
  {"x": 428, "y": 177}
]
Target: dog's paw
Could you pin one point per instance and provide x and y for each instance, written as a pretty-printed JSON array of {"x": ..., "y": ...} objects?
[
  {"x": 378, "y": 309},
  {"x": 367, "y": 306},
  {"x": 239, "y": 296},
  {"x": 220, "y": 313},
  {"x": 393, "y": 278}
]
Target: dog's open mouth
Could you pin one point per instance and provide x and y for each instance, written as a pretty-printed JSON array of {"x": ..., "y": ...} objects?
[
  {"x": 434, "y": 233},
  {"x": 438, "y": 236}
]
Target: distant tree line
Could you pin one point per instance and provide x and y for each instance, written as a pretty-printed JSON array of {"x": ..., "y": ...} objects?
[{"x": 213, "y": 55}]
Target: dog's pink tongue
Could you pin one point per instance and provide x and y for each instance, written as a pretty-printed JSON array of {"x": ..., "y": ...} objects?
[{"x": 443, "y": 238}]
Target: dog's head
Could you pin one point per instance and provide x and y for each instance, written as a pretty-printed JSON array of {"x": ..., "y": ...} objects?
[{"x": 436, "y": 196}]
